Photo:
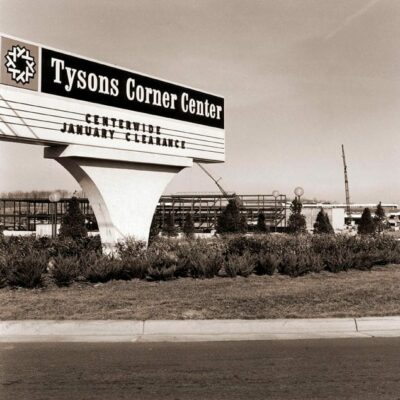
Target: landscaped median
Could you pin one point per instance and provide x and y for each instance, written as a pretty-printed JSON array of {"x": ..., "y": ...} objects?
[
  {"x": 353, "y": 293},
  {"x": 260, "y": 277}
]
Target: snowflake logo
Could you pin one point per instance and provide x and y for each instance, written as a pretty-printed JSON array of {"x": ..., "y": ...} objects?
[{"x": 20, "y": 64}]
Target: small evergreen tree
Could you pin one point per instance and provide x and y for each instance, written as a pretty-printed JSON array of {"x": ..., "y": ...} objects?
[
  {"x": 297, "y": 221},
  {"x": 322, "y": 223},
  {"x": 261, "y": 227},
  {"x": 73, "y": 222},
  {"x": 154, "y": 229},
  {"x": 367, "y": 224},
  {"x": 380, "y": 218},
  {"x": 231, "y": 220},
  {"x": 169, "y": 228},
  {"x": 188, "y": 226}
]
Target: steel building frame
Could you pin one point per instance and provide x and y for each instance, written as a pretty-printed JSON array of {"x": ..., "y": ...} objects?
[
  {"x": 26, "y": 214},
  {"x": 206, "y": 209}
]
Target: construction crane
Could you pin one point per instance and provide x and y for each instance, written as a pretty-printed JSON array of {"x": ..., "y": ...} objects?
[
  {"x": 346, "y": 185},
  {"x": 216, "y": 181},
  {"x": 233, "y": 196}
]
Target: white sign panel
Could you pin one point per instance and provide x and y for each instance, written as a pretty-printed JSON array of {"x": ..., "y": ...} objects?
[{"x": 51, "y": 97}]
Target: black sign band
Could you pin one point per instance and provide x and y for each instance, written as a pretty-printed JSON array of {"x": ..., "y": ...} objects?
[{"x": 81, "y": 79}]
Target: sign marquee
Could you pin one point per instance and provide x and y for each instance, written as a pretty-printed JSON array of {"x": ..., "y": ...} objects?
[
  {"x": 87, "y": 80},
  {"x": 51, "y": 97}
]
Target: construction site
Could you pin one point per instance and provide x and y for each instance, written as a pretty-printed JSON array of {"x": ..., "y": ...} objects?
[
  {"x": 37, "y": 215},
  {"x": 31, "y": 214}
]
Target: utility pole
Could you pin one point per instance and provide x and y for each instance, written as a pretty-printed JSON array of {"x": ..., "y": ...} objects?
[{"x": 346, "y": 185}]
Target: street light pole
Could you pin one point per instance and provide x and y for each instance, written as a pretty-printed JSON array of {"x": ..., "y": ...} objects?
[
  {"x": 54, "y": 198},
  {"x": 275, "y": 193},
  {"x": 299, "y": 191}
]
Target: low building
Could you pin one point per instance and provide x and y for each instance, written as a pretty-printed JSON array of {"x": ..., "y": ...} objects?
[{"x": 339, "y": 217}]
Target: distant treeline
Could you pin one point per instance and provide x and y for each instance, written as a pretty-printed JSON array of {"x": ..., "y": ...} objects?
[{"x": 38, "y": 194}]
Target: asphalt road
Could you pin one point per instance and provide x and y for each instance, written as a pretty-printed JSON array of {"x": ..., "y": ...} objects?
[{"x": 301, "y": 369}]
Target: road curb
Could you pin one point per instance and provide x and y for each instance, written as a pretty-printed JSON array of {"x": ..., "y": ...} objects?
[{"x": 197, "y": 330}]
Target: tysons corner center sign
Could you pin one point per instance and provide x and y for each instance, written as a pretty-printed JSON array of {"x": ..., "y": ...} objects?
[
  {"x": 72, "y": 100},
  {"x": 121, "y": 134}
]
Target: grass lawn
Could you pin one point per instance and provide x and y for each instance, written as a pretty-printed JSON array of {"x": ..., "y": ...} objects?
[{"x": 346, "y": 294}]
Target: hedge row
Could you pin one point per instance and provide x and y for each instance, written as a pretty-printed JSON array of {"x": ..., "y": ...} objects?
[{"x": 30, "y": 263}]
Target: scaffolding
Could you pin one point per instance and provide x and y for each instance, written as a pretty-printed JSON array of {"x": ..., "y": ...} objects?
[
  {"x": 26, "y": 214},
  {"x": 205, "y": 209}
]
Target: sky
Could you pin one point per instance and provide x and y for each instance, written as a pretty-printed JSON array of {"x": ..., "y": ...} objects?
[{"x": 299, "y": 78}]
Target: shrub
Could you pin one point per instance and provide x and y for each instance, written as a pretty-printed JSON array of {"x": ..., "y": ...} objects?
[
  {"x": 26, "y": 271},
  {"x": 299, "y": 264},
  {"x": 199, "y": 259},
  {"x": 231, "y": 219},
  {"x": 261, "y": 227},
  {"x": 64, "y": 270},
  {"x": 162, "y": 260},
  {"x": 162, "y": 266},
  {"x": 64, "y": 247},
  {"x": 392, "y": 257},
  {"x": 19, "y": 245},
  {"x": 385, "y": 242},
  {"x": 103, "y": 269},
  {"x": 130, "y": 262},
  {"x": 364, "y": 260},
  {"x": 335, "y": 252},
  {"x": 362, "y": 252},
  {"x": 73, "y": 222},
  {"x": 340, "y": 260},
  {"x": 68, "y": 247},
  {"x": 161, "y": 273},
  {"x": 276, "y": 244},
  {"x": 322, "y": 223},
  {"x": 379, "y": 257},
  {"x": 130, "y": 248},
  {"x": 380, "y": 219},
  {"x": 154, "y": 229},
  {"x": 206, "y": 265},
  {"x": 188, "y": 226},
  {"x": 367, "y": 224},
  {"x": 296, "y": 222},
  {"x": 134, "y": 267},
  {"x": 266, "y": 263},
  {"x": 23, "y": 260},
  {"x": 242, "y": 265},
  {"x": 242, "y": 244},
  {"x": 168, "y": 228},
  {"x": 91, "y": 244},
  {"x": 3, "y": 271}
]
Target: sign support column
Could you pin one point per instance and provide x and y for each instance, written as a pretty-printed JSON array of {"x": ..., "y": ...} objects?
[{"x": 123, "y": 190}]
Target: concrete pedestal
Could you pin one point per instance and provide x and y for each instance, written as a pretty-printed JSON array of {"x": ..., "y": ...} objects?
[{"x": 123, "y": 187}]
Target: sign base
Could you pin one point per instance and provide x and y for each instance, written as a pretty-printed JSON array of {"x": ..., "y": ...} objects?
[{"x": 123, "y": 187}]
